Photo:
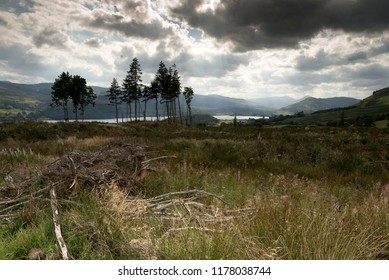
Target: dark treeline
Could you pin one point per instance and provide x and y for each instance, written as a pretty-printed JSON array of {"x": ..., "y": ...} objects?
[
  {"x": 165, "y": 89},
  {"x": 68, "y": 88}
]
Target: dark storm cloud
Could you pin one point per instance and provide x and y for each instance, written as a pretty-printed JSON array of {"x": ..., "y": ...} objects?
[
  {"x": 282, "y": 23},
  {"x": 130, "y": 28}
]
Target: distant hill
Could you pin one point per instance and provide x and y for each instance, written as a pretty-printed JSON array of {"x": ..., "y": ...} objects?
[
  {"x": 312, "y": 104},
  {"x": 373, "y": 108},
  {"x": 217, "y": 104}
]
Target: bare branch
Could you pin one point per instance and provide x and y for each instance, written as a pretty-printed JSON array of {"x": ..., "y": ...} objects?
[{"x": 57, "y": 225}]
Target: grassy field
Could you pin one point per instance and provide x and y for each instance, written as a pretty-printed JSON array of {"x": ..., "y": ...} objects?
[{"x": 209, "y": 193}]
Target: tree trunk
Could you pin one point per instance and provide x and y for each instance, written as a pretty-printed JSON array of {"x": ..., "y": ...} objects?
[
  {"x": 76, "y": 113},
  {"x": 130, "y": 114},
  {"x": 167, "y": 111},
  {"x": 116, "y": 109},
  {"x": 65, "y": 112},
  {"x": 144, "y": 112},
  {"x": 156, "y": 108},
  {"x": 136, "y": 110},
  {"x": 179, "y": 108}
]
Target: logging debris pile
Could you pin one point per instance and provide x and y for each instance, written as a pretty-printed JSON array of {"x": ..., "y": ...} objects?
[{"x": 121, "y": 164}]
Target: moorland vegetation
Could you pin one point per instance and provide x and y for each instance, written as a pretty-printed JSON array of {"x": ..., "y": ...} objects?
[{"x": 231, "y": 192}]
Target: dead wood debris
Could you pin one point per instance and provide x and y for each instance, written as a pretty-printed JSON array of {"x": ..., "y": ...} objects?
[
  {"x": 192, "y": 206},
  {"x": 122, "y": 164},
  {"x": 57, "y": 224}
]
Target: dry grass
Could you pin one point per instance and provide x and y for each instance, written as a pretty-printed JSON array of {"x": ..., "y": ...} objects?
[{"x": 316, "y": 194}]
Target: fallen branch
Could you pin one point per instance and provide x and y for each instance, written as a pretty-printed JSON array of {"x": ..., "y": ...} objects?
[
  {"x": 57, "y": 225},
  {"x": 186, "y": 207},
  {"x": 203, "y": 229},
  {"x": 199, "y": 193},
  {"x": 74, "y": 172},
  {"x": 157, "y": 158},
  {"x": 26, "y": 197}
]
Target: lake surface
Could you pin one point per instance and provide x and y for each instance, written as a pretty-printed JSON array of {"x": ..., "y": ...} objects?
[
  {"x": 229, "y": 117},
  {"x": 219, "y": 117}
]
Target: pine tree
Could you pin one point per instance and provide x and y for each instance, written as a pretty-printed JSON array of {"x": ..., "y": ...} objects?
[
  {"x": 176, "y": 90},
  {"x": 132, "y": 86},
  {"x": 162, "y": 81},
  {"x": 188, "y": 93},
  {"x": 154, "y": 94},
  {"x": 114, "y": 96}
]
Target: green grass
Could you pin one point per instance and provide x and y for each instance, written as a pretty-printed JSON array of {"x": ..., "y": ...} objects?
[{"x": 320, "y": 193}]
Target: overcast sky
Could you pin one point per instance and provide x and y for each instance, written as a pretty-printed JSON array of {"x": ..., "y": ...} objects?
[{"x": 236, "y": 48}]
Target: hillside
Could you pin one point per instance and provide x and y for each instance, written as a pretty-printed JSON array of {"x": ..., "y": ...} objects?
[
  {"x": 216, "y": 104},
  {"x": 312, "y": 104},
  {"x": 367, "y": 111},
  {"x": 16, "y": 98}
]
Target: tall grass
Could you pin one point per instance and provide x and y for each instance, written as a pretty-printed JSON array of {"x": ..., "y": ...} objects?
[{"x": 317, "y": 193}]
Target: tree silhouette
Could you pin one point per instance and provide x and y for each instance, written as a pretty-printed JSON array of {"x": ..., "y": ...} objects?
[
  {"x": 74, "y": 88},
  {"x": 61, "y": 93},
  {"x": 188, "y": 94},
  {"x": 114, "y": 95},
  {"x": 132, "y": 86},
  {"x": 154, "y": 93},
  {"x": 167, "y": 81},
  {"x": 88, "y": 97},
  {"x": 162, "y": 84},
  {"x": 176, "y": 91},
  {"x": 78, "y": 89}
]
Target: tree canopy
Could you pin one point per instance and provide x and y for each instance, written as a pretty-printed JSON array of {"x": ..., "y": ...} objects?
[{"x": 67, "y": 87}]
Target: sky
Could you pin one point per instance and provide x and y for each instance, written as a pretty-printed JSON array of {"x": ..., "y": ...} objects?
[{"x": 236, "y": 48}]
